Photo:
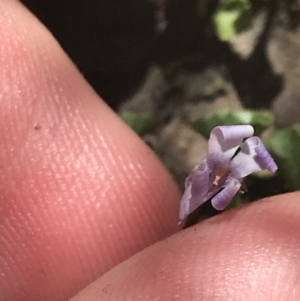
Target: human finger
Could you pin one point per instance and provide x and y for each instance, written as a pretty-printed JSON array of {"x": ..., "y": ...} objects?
[
  {"x": 251, "y": 253},
  {"x": 79, "y": 191}
]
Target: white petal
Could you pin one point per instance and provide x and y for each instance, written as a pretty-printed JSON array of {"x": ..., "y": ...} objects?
[
  {"x": 252, "y": 157},
  {"x": 223, "y": 198},
  {"x": 224, "y": 142}
]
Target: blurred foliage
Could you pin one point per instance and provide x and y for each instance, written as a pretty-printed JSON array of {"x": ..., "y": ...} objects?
[
  {"x": 285, "y": 148},
  {"x": 196, "y": 76},
  {"x": 203, "y": 6},
  {"x": 260, "y": 120},
  {"x": 230, "y": 18},
  {"x": 216, "y": 85},
  {"x": 206, "y": 85},
  {"x": 191, "y": 63},
  {"x": 141, "y": 123}
]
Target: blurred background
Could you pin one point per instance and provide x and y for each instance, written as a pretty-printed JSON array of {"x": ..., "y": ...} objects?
[{"x": 174, "y": 69}]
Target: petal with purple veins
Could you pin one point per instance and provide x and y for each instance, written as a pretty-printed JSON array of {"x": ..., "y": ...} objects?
[
  {"x": 200, "y": 179},
  {"x": 265, "y": 159},
  {"x": 197, "y": 191},
  {"x": 185, "y": 203},
  {"x": 252, "y": 157},
  {"x": 223, "y": 198},
  {"x": 224, "y": 142}
]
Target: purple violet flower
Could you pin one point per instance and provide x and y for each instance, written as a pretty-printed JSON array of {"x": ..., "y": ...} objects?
[{"x": 232, "y": 155}]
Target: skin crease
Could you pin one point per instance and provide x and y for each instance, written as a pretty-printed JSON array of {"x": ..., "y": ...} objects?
[{"x": 80, "y": 193}]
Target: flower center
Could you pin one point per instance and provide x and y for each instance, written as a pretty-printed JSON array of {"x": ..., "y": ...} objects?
[{"x": 220, "y": 171}]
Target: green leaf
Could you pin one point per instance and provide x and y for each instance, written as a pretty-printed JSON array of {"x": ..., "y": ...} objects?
[
  {"x": 285, "y": 148},
  {"x": 260, "y": 120},
  {"x": 141, "y": 123},
  {"x": 231, "y": 18}
]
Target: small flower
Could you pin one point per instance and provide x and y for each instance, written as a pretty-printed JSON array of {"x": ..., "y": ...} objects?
[{"x": 232, "y": 155}]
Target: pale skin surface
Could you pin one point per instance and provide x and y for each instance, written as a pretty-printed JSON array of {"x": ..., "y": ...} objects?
[{"x": 80, "y": 193}]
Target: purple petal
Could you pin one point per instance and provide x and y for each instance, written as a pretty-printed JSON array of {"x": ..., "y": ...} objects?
[
  {"x": 197, "y": 189},
  {"x": 185, "y": 203},
  {"x": 200, "y": 178},
  {"x": 223, "y": 198},
  {"x": 265, "y": 159},
  {"x": 224, "y": 142},
  {"x": 198, "y": 171},
  {"x": 252, "y": 157}
]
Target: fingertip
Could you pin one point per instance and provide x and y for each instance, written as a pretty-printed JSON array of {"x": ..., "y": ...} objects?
[
  {"x": 251, "y": 253},
  {"x": 80, "y": 191}
]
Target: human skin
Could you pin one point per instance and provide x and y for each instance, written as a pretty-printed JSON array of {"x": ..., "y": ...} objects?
[{"x": 80, "y": 194}]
